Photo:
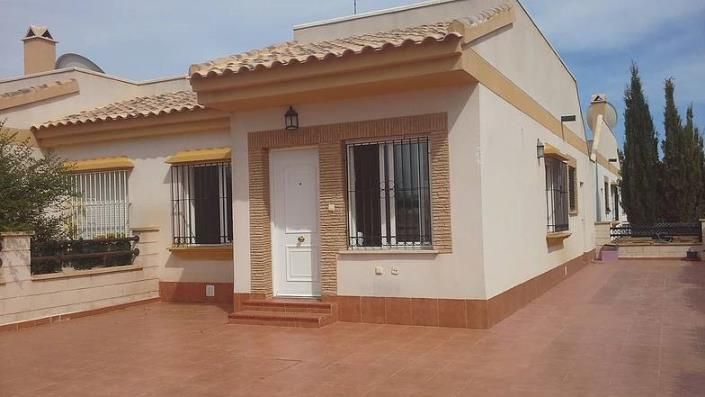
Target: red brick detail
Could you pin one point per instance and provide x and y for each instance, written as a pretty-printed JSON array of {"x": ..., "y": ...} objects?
[
  {"x": 191, "y": 292},
  {"x": 455, "y": 313},
  {"x": 330, "y": 140}
]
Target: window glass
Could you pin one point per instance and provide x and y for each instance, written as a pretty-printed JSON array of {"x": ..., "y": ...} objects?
[
  {"x": 389, "y": 194},
  {"x": 201, "y": 203},
  {"x": 556, "y": 195}
]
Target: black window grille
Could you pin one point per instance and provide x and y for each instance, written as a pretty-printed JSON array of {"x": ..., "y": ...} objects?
[
  {"x": 201, "y": 196},
  {"x": 389, "y": 197},
  {"x": 615, "y": 196},
  {"x": 607, "y": 197},
  {"x": 572, "y": 189},
  {"x": 556, "y": 195}
]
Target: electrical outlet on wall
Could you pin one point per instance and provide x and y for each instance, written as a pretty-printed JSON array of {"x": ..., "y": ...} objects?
[
  {"x": 395, "y": 271},
  {"x": 379, "y": 270},
  {"x": 210, "y": 290}
]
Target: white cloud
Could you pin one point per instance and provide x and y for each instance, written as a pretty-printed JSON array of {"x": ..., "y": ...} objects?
[
  {"x": 579, "y": 25},
  {"x": 689, "y": 74}
]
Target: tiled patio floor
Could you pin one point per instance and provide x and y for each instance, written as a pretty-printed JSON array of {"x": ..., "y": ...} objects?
[{"x": 621, "y": 329}]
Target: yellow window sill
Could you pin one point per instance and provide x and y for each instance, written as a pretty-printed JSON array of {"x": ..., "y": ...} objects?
[
  {"x": 207, "y": 252},
  {"x": 383, "y": 251},
  {"x": 557, "y": 237},
  {"x": 72, "y": 273}
]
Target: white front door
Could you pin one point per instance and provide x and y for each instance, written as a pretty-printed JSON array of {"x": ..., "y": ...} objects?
[{"x": 293, "y": 176}]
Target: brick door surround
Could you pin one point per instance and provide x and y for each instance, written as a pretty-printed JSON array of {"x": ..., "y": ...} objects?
[{"x": 330, "y": 140}]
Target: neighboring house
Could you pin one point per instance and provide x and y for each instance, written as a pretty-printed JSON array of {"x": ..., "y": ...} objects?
[
  {"x": 404, "y": 166},
  {"x": 602, "y": 117},
  {"x": 52, "y": 88}
]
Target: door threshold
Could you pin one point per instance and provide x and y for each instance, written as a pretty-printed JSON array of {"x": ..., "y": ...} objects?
[{"x": 297, "y": 297}]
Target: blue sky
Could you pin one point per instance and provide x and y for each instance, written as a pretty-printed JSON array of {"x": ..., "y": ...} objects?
[{"x": 142, "y": 39}]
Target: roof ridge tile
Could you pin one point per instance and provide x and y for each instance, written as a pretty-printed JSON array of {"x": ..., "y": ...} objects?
[{"x": 290, "y": 52}]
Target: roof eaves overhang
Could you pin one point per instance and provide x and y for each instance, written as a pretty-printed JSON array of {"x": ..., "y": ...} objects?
[
  {"x": 195, "y": 121},
  {"x": 405, "y": 67}
]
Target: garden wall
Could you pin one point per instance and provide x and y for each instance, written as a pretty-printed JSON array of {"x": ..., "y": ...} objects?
[
  {"x": 602, "y": 233},
  {"x": 25, "y": 298},
  {"x": 660, "y": 251}
]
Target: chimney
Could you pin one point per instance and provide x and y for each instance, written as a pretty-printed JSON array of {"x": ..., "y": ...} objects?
[{"x": 39, "y": 50}]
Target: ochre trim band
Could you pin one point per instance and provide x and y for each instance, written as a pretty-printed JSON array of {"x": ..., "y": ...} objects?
[{"x": 202, "y": 155}]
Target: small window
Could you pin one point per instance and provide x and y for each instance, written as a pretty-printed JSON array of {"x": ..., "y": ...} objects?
[
  {"x": 607, "y": 197},
  {"x": 201, "y": 203},
  {"x": 101, "y": 206},
  {"x": 389, "y": 194},
  {"x": 615, "y": 198},
  {"x": 557, "y": 197},
  {"x": 572, "y": 189}
]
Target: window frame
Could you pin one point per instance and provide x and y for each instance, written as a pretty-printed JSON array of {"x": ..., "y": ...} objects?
[
  {"x": 99, "y": 182},
  {"x": 387, "y": 202},
  {"x": 607, "y": 192},
  {"x": 557, "y": 199},
  {"x": 184, "y": 212},
  {"x": 573, "y": 195}
]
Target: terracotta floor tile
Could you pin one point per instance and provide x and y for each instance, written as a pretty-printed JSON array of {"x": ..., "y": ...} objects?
[
  {"x": 620, "y": 329},
  {"x": 372, "y": 310}
]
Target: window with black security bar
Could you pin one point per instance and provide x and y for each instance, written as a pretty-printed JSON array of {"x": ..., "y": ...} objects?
[
  {"x": 201, "y": 196},
  {"x": 572, "y": 189},
  {"x": 389, "y": 194},
  {"x": 556, "y": 194},
  {"x": 100, "y": 208}
]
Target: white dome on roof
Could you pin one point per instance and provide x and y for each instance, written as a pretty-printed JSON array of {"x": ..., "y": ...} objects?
[{"x": 71, "y": 60}]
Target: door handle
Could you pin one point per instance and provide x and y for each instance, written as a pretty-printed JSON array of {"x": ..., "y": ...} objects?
[{"x": 301, "y": 239}]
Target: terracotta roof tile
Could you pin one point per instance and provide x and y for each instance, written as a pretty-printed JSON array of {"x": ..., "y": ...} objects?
[
  {"x": 293, "y": 52},
  {"x": 155, "y": 105}
]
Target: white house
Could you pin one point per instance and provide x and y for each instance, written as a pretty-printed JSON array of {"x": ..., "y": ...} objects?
[{"x": 420, "y": 165}]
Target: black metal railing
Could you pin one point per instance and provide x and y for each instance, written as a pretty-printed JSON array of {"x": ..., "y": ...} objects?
[
  {"x": 556, "y": 195},
  {"x": 658, "y": 231},
  {"x": 54, "y": 255},
  {"x": 389, "y": 193},
  {"x": 201, "y": 197}
]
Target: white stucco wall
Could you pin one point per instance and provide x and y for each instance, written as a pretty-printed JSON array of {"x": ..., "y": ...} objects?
[
  {"x": 514, "y": 209},
  {"x": 497, "y": 184},
  {"x": 149, "y": 187},
  {"x": 522, "y": 54},
  {"x": 605, "y": 175},
  {"x": 456, "y": 275},
  {"x": 605, "y": 143},
  {"x": 513, "y": 180},
  {"x": 395, "y": 18},
  {"x": 24, "y": 297},
  {"x": 95, "y": 90}
]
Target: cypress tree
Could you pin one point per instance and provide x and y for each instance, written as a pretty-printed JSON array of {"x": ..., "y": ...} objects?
[
  {"x": 640, "y": 167},
  {"x": 696, "y": 166},
  {"x": 674, "y": 172},
  {"x": 682, "y": 178}
]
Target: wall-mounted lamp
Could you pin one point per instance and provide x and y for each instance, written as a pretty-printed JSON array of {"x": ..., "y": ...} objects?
[
  {"x": 291, "y": 119},
  {"x": 540, "y": 149}
]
